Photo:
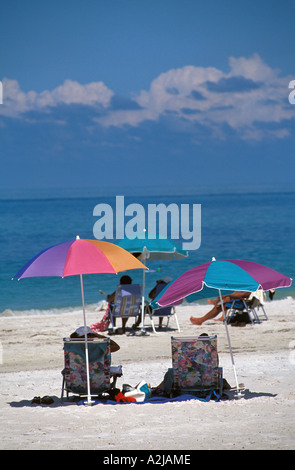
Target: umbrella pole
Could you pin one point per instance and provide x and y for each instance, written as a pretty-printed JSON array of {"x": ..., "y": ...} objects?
[
  {"x": 142, "y": 298},
  {"x": 89, "y": 401},
  {"x": 229, "y": 344}
]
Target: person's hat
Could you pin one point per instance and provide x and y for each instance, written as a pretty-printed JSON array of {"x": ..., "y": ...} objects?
[
  {"x": 125, "y": 279},
  {"x": 81, "y": 330}
]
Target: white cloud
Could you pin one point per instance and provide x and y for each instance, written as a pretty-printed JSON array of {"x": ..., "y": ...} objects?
[
  {"x": 168, "y": 93},
  {"x": 250, "y": 93},
  {"x": 16, "y": 102},
  {"x": 253, "y": 68}
]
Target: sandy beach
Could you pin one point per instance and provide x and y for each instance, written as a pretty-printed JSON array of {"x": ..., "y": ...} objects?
[{"x": 32, "y": 360}]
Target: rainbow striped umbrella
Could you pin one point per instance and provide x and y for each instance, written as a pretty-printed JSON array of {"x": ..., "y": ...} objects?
[{"x": 78, "y": 257}]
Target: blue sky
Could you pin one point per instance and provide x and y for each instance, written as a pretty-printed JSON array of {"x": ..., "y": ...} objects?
[{"x": 170, "y": 92}]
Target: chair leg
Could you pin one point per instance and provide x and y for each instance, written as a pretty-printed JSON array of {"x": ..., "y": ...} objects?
[
  {"x": 113, "y": 383},
  {"x": 220, "y": 380},
  {"x": 266, "y": 317},
  {"x": 249, "y": 313},
  {"x": 256, "y": 318},
  {"x": 62, "y": 388},
  {"x": 112, "y": 322},
  {"x": 229, "y": 314},
  {"x": 153, "y": 325},
  {"x": 176, "y": 319}
]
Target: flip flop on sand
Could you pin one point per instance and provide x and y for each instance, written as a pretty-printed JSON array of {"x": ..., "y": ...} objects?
[
  {"x": 227, "y": 386},
  {"x": 142, "y": 333},
  {"x": 241, "y": 388},
  {"x": 36, "y": 400},
  {"x": 46, "y": 400}
]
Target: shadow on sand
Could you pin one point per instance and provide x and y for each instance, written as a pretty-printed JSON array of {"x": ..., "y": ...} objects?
[{"x": 57, "y": 402}]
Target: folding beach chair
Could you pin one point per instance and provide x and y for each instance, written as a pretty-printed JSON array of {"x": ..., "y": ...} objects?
[
  {"x": 254, "y": 306},
  {"x": 239, "y": 310},
  {"x": 250, "y": 307},
  {"x": 100, "y": 370},
  {"x": 127, "y": 302},
  {"x": 164, "y": 312},
  {"x": 195, "y": 365}
]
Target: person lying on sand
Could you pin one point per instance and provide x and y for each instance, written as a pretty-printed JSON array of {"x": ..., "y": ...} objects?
[{"x": 217, "y": 308}]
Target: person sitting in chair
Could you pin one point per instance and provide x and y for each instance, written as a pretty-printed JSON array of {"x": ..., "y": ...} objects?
[
  {"x": 217, "y": 308},
  {"x": 156, "y": 290},
  {"x": 160, "y": 284},
  {"x": 111, "y": 299}
]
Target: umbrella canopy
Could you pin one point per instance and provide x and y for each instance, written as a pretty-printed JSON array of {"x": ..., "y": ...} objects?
[
  {"x": 229, "y": 275},
  {"x": 152, "y": 248},
  {"x": 78, "y": 257}
]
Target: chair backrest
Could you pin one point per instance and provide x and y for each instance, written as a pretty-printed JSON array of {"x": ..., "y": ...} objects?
[
  {"x": 237, "y": 304},
  {"x": 127, "y": 301},
  {"x": 195, "y": 362},
  {"x": 254, "y": 302},
  {"x": 99, "y": 353},
  {"x": 163, "y": 311}
]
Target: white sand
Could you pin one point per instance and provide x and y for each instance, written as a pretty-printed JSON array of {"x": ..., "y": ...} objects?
[{"x": 32, "y": 359}]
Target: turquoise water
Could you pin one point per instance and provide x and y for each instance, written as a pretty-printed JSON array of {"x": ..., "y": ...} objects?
[{"x": 254, "y": 225}]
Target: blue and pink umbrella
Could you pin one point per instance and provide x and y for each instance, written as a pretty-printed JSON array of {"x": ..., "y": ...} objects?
[{"x": 228, "y": 275}]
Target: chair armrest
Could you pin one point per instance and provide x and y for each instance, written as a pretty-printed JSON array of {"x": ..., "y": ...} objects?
[{"x": 116, "y": 370}]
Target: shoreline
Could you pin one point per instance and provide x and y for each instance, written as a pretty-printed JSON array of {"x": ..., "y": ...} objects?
[{"x": 97, "y": 306}]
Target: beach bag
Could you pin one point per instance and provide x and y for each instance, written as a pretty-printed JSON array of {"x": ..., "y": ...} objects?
[
  {"x": 240, "y": 318},
  {"x": 103, "y": 324},
  {"x": 140, "y": 393}
]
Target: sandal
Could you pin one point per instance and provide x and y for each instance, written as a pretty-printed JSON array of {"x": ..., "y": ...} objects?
[
  {"x": 36, "y": 400},
  {"x": 47, "y": 400},
  {"x": 242, "y": 388}
]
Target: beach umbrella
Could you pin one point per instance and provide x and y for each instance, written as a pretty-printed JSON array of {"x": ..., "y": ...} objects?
[
  {"x": 78, "y": 257},
  {"x": 149, "y": 248},
  {"x": 226, "y": 275}
]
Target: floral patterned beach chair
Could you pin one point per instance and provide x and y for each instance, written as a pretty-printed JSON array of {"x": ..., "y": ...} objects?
[
  {"x": 195, "y": 365},
  {"x": 102, "y": 376}
]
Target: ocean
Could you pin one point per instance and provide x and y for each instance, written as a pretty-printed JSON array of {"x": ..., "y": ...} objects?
[{"x": 257, "y": 224}]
